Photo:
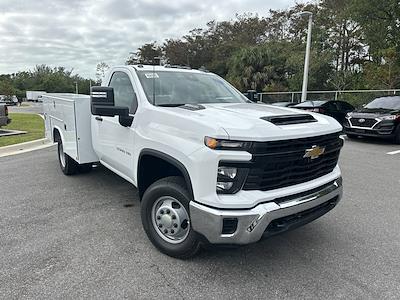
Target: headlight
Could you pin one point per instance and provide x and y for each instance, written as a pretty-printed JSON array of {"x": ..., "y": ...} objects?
[
  {"x": 227, "y": 172},
  {"x": 390, "y": 117},
  {"x": 349, "y": 114},
  {"x": 218, "y": 144},
  {"x": 230, "y": 179}
]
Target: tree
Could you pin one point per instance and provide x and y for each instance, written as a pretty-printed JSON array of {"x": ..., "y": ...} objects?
[
  {"x": 147, "y": 54},
  {"x": 176, "y": 52},
  {"x": 384, "y": 74},
  {"x": 101, "y": 70},
  {"x": 379, "y": 20},
  {"x": 256, "y": 68},
  {"x": 7, "y": 89}
]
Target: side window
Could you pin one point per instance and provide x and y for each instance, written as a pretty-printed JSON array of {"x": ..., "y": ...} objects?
[
  {"x": 124, "y": 95},
  {"x": 331, "y": 106},
  {"x": 345, "y": 106}
]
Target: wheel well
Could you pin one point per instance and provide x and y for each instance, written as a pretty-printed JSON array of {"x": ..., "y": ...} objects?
[
  {"x": 56, "y": 135},
  {"x": 153, "y": 167}
]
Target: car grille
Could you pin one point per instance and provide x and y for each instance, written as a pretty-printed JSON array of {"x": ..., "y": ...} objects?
[
  {"x": 368, "y": 123},
  {"x": 278, "y": 164}
]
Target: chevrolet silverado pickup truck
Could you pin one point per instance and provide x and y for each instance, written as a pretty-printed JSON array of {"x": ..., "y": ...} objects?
[{"x": 210, "y": 166}]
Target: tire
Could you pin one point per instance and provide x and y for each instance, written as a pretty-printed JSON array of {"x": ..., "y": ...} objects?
[
  {"x": 397, "y": 135},
  {"x": 67, "y": 164},
  {"x": 351, "y": 136},
  {"x": 169, "y": 197}
]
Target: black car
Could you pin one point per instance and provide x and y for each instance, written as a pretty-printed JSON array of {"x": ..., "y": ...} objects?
[
  {"x": 335, "y": 109},
  {"x": 379, "y": 118},
  {"x": 284, "y": 104}
]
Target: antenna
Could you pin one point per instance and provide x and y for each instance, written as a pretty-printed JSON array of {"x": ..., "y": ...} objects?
[
  {"x": 154, "y": 78},
  {"x": 154, "y": 86}
]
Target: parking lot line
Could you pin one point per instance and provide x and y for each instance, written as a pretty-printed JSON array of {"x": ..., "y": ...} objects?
[{"x": 394, "y": 152}]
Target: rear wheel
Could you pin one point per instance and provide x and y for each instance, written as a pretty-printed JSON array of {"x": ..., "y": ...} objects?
[
  {"x": 166, "y": 219},
  {"x": 67, "y": 164}
]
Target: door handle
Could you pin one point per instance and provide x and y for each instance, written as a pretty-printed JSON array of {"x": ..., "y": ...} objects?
[{"x": 99, "y": 119}]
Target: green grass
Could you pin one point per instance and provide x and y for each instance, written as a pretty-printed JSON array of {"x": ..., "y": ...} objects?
[{"x": 32, "y": 123}]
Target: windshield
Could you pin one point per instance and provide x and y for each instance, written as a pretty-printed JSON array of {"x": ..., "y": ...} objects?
[
  {"x": 179, "y": 88},
  {"x": 384, "y": 103}
]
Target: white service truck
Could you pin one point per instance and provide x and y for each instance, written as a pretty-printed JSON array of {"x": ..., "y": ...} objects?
[
  {"x": 35, "y": 96},
  {"x": 210, "y": 166}
]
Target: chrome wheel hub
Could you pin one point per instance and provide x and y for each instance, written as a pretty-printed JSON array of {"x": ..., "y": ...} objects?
[
  {"x": 61, "y": 154},
  {"x": 170, "y": 219}
]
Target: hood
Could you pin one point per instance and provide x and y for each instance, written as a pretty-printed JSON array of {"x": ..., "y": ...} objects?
[
  {"x": 243, "y": 121},
  {"x": 373, "y": 113}
]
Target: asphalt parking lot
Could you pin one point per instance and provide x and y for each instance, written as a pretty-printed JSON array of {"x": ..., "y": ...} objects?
[
  {"x": 81, "y": 237},
  {"x": 30, "y": 108}
]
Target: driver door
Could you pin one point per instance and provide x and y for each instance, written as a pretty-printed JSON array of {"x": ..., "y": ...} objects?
[{"x": 116, "y": 141}]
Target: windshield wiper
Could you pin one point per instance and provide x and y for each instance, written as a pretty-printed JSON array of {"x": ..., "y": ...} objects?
[{"x": 171, "y": 104}]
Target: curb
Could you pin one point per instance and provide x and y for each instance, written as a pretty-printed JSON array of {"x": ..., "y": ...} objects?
[{"x": 25, "y": 147}]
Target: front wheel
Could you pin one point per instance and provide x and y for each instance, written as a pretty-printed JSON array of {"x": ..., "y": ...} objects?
[{"x": 166, "y": 218}]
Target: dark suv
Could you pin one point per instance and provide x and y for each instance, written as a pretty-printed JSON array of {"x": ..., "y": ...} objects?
[{"x": 379, "y": 118}]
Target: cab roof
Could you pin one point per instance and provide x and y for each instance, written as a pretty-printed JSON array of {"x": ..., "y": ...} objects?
[{"x": 170, "y": 68}]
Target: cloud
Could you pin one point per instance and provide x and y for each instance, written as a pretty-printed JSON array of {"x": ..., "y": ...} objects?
[{"x": 80, "y": 33}]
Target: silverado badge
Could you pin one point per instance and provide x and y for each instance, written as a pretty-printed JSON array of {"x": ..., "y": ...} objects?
[{"x": 314, "y": 152}]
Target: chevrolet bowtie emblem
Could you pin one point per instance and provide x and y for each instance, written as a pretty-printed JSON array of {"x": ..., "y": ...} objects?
[{"x": 314, "y": 152}]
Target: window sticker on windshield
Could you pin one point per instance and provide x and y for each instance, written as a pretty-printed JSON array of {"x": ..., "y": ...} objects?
[{"x": 151, "y": 75}]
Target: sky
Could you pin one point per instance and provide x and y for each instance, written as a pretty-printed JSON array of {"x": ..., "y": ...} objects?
[{"x": 78, "y": 34}]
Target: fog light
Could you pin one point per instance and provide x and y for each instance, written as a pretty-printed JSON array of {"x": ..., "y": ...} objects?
[
  {"x": 224, "y": 186},
  {"x": 228, "y": 172}
]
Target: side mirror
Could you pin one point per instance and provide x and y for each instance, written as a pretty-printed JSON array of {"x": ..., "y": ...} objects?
[
  {"x": 102, "y": 101},
  {"x": 102, "y": 104},
  {"x": 251, "y": 95}
]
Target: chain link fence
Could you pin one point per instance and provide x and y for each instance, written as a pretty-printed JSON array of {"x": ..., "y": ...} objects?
[{"x": 355, "y": 97}]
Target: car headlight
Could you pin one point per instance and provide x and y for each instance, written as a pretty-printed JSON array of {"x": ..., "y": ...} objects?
[
  {"x": 230, "y": 179},
  {"x": 389, "y": 117},
  {"x": 348, "y": 115},
  {"x": 219, "y": 144}
]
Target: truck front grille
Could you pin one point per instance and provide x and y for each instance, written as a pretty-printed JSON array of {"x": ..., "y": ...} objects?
[{"x": 279, "y": 164}]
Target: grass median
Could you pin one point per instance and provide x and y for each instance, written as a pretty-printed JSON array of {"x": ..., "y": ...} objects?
[{"x": 32, "y": 123}]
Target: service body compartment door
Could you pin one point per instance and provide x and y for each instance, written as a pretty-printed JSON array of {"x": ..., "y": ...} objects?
[{"x": 69, "y": 127}]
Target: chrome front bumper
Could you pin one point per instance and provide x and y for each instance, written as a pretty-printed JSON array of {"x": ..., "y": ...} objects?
[{"x": 266, "y": 218}]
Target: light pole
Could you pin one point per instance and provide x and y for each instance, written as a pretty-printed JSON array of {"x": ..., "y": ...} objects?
[
  {"x": 76, "y": 87},
  {"x": 307, "y": 57}
]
